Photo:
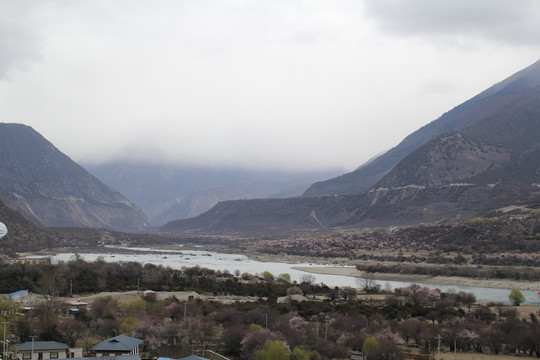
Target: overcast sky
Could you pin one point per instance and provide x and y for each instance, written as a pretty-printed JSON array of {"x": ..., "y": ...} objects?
[{"x": 311, "y": 84}]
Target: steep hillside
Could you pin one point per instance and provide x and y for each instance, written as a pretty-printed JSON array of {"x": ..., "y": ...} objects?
[
  {"x": 21, "y": 229},
  {"x": 489, "y": 151},
  {"x": 262, "y": 216},
  {"x": 492, "y": 100},
  {"x": 491, "y": 166},
  {"x": 26, "y": 235},
  {"x": 55, "y": 191}
]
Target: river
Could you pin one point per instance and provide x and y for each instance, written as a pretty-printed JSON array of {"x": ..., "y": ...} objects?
[{"x": 177, "y": 259}]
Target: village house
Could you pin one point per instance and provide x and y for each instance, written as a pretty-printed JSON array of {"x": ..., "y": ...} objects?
[
  {"x": 24, "y": 298},
  {"x": 18, "y": 296},
  {"x": 118, "y": 345},
  {"x": 45, "y": 350}
]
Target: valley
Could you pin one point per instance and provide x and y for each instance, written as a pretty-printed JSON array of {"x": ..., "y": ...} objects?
[
  {"x": 498, "y": 252},
  {"x": 428, "y": 238},
  {"x": 269, "y": 180}
]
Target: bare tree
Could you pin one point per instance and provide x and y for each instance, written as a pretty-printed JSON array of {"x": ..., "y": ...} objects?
[
  {"x": 72, "y": 330},
  {"x": 197, "y": 329},
  {"x": 50, "y": 285},
  {"x": 368, "y": 284},
  {"x": 307, "y": 279},
  {"x": 347, "y": 292}
]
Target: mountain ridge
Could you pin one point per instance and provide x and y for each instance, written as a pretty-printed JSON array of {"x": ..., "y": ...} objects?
[
  {"x": 49, "y": 187},
  {"x": 487, "y": 166},
  {"x": 366, "y": 176}
]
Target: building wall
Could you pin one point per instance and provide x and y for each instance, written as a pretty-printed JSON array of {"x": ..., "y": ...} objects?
[
  {"x": 46, "y": 354},
  {"x": 75, "y": 352},
  {"x": 99, "y": 354},
  {"x": 41, "y": 355},
  {"x": 135, "y": 351}
]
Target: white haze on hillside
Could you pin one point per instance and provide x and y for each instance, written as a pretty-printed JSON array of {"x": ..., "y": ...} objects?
[{"x": 299, "y": 85}]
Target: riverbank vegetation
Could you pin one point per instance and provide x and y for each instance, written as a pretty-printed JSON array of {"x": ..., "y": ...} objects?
[
  {"x": 503, "y": 247},
  {"x": 308, "y": 321},
  {"x": 506, "y": 247},
  {"x": 479, "y": 271}
]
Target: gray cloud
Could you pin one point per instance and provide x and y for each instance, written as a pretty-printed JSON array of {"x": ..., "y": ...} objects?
[
  {"x": 514, "y": 22},
  {"x": 19, "y": 42},
  {"x": 281, "y": 84}
]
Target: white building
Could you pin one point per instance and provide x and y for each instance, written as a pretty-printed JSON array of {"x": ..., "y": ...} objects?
[{"x": 45, "y": 350}]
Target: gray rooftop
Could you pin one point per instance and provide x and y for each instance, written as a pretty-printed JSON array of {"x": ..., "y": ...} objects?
[
  {"x": 42, "y": 345},
  {"x": 118, "y": 357},
  {"x": 118, "y": 343},
  {"x": 190, "y": 357}
]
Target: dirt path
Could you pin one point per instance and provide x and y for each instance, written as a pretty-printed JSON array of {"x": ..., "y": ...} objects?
[{"x": 128, "y": 296}]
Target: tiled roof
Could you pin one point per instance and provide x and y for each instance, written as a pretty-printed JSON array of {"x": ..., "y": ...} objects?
[
  {"x": 118, "y": 343},
  {"x": 42, "y": 345}
]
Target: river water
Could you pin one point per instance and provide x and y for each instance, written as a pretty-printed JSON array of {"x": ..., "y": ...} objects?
[{"x": 231, "y": 262}]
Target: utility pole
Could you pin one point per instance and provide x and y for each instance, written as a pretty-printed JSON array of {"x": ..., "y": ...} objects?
[
  {"x": 32, "y": 356},
  {"x": 326, "y": 330},
  {"x": 185, "y": 309},
  {"x": 266, "y": 321},
  {"x": 4, "y": 343},
  {"x": 438, "y": 337}
]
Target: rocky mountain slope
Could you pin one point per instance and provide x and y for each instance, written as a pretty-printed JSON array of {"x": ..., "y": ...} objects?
[
  {"x": 21, "y": 229},
  {"x": 26, "y": 235},
  {"x": 489, "y": 151},
  {"x": 488, "y": 167},
  {"x": 490, "y": 100},
  {"x": 491, "y": 166},
  {"x": 48, "y": 187}
]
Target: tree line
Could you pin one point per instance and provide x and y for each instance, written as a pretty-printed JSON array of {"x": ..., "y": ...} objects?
[{"x": 329, "y": 324}]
